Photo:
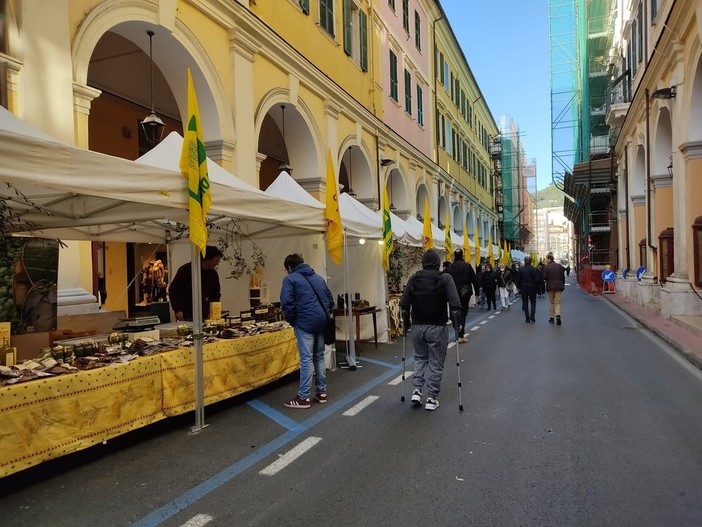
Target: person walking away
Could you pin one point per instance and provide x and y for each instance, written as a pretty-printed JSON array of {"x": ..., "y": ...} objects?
[
  {"x": 554, "y": 276},
  {"x": 307, "y": 302},
  {"x": 502, "y": 286},
  {"x": 488, "y": 282},
  {"x": 527, "y": 282},
  {"x": 508, "y": 275},
  {"x": 466, "y": 282},
  {"x": 540, "y": 284},
  {"x": 180, "y": 290},
  {"x": 423, "y": 304},
  {"x": 481, "y": 295}
]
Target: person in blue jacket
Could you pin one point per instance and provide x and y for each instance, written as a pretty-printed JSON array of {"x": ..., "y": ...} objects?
[{"x": 307, "y": 303}]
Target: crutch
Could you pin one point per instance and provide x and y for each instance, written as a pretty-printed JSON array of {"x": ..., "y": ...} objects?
[
  {"x": 402, "y": 398},
  {"x": 458, "y": 366}
]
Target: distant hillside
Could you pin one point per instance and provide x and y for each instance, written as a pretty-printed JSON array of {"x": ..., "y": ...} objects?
[{"x": 549, "y": 197}]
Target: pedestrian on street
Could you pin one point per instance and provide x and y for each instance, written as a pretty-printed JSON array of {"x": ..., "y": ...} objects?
[
  {"x": 466, "y": 282},
  {"x": 423, "y": 305},
  {"x": 307, "y": 302},
  {"x": 527, "y": 282},
  {"x": 488, "y": 282},
  {"x": 540, "y": 284},
  {"x": 502, "y": 286},
  {"x": 554, "y": 276}
]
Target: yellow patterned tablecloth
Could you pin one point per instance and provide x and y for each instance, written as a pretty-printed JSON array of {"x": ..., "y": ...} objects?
[
  {"x": 52, "y": 417},
  {"x": 231, "y": 367},
  {"x": 48, "y": 418}
]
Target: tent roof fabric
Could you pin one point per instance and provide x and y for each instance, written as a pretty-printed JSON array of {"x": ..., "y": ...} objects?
[{"x": 57, "y": 190}]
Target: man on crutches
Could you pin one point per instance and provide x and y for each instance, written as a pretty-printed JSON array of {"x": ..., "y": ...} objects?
[{"x": 423, "y": 305}]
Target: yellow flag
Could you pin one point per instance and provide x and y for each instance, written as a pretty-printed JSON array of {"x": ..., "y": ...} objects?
[
  {"x": 331, "y": 213},
  {"x": 387, "y": 230},
  {"x": 466, "y": 243},
  {"x": 427, "y": 236},
  {"x": 448, "y": 244},
  {"x": 193, "y": 165},
  {"x": 477, "y": 247},
  {"x": 491, "y": 251}
]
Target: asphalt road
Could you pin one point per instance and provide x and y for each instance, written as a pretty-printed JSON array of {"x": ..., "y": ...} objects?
[{"x": 592, "y": 423}]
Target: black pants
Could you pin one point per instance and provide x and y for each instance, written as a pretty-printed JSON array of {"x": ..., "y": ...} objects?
[
  {"x": 465, "y": 301},
  {"x": 491, "y": 301},
  {"x": 527, "y": 298}
]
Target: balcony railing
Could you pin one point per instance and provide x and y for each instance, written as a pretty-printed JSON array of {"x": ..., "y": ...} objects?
[{"x": 619, "y": 91}]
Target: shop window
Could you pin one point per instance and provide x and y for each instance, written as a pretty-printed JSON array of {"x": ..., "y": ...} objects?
[
  {"x": 642, "y": 253},
  {"x": 697, "y": 250},
  {"x": 667, "y": 253}
]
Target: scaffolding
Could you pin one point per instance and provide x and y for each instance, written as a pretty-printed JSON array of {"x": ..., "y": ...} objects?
[
  {"x": 518, "y": 177},
  {"x": 581, "y": 33}
]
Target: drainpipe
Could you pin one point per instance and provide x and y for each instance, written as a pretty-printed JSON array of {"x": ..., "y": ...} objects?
[
  {"x": 626, "y": 206},
  {"x": 648, "y": 177},
  {"x": 433, "y": 34},
  {"x": 377, "y": 154}
]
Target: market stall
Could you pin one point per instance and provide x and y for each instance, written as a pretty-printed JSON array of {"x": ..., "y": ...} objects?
[{"x": 49, "y": 417}]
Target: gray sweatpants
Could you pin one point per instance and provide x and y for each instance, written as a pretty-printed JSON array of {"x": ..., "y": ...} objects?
[{"x": 430, "y": 343}]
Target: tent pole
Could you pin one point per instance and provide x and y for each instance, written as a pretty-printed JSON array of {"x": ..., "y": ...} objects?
[
  {"x": 197, "y": 340},
  {"x": 351, "y": 344}
]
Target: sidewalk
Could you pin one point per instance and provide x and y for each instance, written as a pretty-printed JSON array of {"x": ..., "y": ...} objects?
[{"x": 683, "y": 341}]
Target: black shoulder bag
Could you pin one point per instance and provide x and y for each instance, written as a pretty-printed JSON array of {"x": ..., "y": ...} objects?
[{"x": 330, "y": 329}]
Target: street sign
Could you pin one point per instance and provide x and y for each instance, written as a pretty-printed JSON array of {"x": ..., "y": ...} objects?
[
  {"x": 608, "y": 275},
  {"x": 640, "y": 272}
]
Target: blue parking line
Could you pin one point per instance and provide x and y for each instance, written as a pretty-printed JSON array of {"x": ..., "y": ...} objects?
[
  {"x": 377, "y": 362},
  {"x": 274, "y": 415},
  {"x": 203, "y": 489}
]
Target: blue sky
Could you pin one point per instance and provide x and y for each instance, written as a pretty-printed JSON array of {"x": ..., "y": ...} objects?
[{"x": 507, "y": 46}]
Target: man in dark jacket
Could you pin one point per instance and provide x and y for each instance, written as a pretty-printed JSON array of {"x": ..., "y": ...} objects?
[
  {"x": 527, "y": 282},
  {"x": 466, "y": 282},
  {"x": 554, "y": 276},
  {"x": 180, "y": 290},
  {"x": 307, "y": 302},
  {"x": 423, "y": 305}
]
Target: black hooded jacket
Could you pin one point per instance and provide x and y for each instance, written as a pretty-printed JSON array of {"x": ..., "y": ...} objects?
[
  {"x": 464, "y": 277},
  {"x": 426, "y": 294}
]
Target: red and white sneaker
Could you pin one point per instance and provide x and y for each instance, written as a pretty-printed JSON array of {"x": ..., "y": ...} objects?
[
  {"x": 297, "y": 402},
  {"x": 320, "y": 397}
]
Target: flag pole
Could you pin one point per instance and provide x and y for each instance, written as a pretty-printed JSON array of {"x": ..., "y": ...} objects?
[
  {"x": 351, "y": 343},
  {"x": 197, "y": 340}
]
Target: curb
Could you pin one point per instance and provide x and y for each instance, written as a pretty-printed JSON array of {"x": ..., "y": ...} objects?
[{"x": 688, "y": 355}]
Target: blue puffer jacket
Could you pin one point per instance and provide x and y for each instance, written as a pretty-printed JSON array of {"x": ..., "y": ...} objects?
[{"x": 299, "y": 302}]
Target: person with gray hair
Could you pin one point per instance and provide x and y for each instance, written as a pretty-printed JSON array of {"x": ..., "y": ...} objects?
[{"x": 423, "y": 305}]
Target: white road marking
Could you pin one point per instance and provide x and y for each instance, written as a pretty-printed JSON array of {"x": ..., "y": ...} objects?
[
  {"x": 451, "y": 345},
  {"x": 360, "y": 406},
  {"x": 398, "y": 380},
  {"x": 475, "y": 328},
  {"x": 198, "y": 521},
  {"x": 290, "y": 456},
  {"x": 483, "y": 322}
]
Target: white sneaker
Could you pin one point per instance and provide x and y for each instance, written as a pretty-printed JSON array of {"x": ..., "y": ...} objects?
[
  {"x": 416, "y": 397},
  {"x": 462, "y": 340},
  {"x": 432, "y": 404}
]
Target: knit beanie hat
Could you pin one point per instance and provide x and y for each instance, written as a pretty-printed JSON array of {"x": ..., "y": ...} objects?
[{"x": 431, "y": 260}]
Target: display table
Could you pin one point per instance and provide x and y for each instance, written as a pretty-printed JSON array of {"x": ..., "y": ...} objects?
[
  {"x": 48, "y": 418},
  {"x": 357, "y": 313}
]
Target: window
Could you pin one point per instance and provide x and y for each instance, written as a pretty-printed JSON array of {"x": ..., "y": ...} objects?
[
  {"x": 405, "y": 15},
  {"x": 348, "y": 28},
  {"x": 408, "y": 92},
  {"x": 667, "y": 251},
  {"x": 642, "y": 252},
  {"x": 363, "y": 39},
  {"x": 441, "y": 68},
  {"x": 3, "y": 29},
  {"x": 305, "y": 6},
  {"x": 355, "y": 41},
  {"x": 437, "y": 126},
  {"x": 326, "y": 15},
  {"x": 639, "y": 32},
  {"x": 393, "y": 76},
  {"x": 654, "y": 9},
  {"x": 420, "y": 106},
  {"x": 447, "y": 131},
  {"x": 445, "y": 80},
  {"x": 697, "y": 250},
  {"x": 417, "y": 31},
  {"x": 391, "y": 3}
]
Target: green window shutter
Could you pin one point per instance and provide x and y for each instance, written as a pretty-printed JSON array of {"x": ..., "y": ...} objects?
[
  {"x": 417, "y": 31},
  {"x": 393, "y": 76},
  {"x": 305, "y": 6},
  {"x": 348, "y": 37},
  {"x": 326, "y": 15},
  {"x": 363, "y": 39},
  {"x": 420, "y": 106},
  {"x": 408, "y": 92}
]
